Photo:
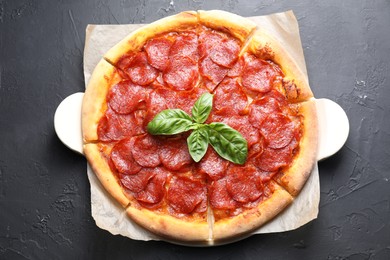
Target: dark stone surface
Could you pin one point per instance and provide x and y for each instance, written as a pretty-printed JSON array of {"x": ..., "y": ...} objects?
[{"x": 44, "y": 190}]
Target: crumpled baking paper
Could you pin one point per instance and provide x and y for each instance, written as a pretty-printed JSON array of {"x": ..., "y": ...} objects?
[{"x": 109, "y": 215}]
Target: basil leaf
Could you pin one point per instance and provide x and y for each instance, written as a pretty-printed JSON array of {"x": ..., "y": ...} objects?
[
  {"x": 170, "y": 122},
  {"x": 228, "y": 143},
  {"x": 198, "y": 143},
  {"x": 202, "y": 108}
]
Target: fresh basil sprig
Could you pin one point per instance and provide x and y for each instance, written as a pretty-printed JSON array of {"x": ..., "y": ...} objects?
[{"x": 226, "y": 141}]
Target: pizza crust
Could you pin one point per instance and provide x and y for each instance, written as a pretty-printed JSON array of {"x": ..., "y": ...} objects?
[
  {"x": 296, "y": 176},
  {"x": 170, "y": 227},
  {"x": 94, "y": 154},
  {"x": 236, "y": 25},
  {"x": 253, "y": 218},
  {"x": 137, "y": 39},
  {"x": 94, "y": 101},
  {"x": 266, "y": 47}
]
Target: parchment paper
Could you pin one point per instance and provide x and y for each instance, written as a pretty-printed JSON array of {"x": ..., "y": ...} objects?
[{"x": 109, "y": 215}]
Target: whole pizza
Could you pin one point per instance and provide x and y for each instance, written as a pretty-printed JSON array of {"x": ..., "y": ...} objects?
[{"x": 201, "y": 126}]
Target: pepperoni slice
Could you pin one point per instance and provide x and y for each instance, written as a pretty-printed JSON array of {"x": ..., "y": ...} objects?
[
  {"x": 154, "y": 191},
  {"x": 125, "y": 62},
  {"x": 123, "y": 159},
  {"x": 207, "y": 41},
  {"x": 125, "y": 97},
  {"x": 279, "y": 97},
  {"x": 213, "y": 72},
  {"x": 273, "y": 159},
  {"x": 278, "y": 130},
  {"x": 157, "y": 51},
  {"x": 251, "y": 134},
  {"x": 174, "y": 154},
  {"x": 230, "y": 96},
  {"x": 185, "y": 45},
  {"x": 159, "y": 100},
  {"x": 237, "y": 69},
  {"x": 181, "y": 74},
  {"x": 139, "y": 122},
  {"x": 137, "y": 182},
  {"x": 266, "y": 176},
  {"x": 261, "y": 108},
  {"x": 147, "y": 186},
  {"x": 243, "y": 183},
  {"x": 213, "y": 165},
  {"x": 242, "y": 125},
  {"x": 225, "y": 53},
  {"x": 258, "y": 75},
  {"x": 219, "y": 196},
  {"x": 113, "y": 126},
  {"x": 256, "y": 149},
  {"x": 138, "y": 69},
  {"x": 187, "y": 195},
  {"x": 187, "y": 99},
  {"x": 106, "y": 132},
  {"x": 145, "y": 150},
  {"x": 222, "y": 49},
  {"x": 159, "y": 82}
]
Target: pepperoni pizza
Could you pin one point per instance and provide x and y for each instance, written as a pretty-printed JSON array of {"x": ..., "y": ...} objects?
[{"x": 257, "y": 90}]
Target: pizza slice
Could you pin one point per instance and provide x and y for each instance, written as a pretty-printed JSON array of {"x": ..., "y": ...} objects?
[
  {"x": 169, "y": 203},
  {"x": 294, "y": 177},
  {"x": 297, "y": 105}
]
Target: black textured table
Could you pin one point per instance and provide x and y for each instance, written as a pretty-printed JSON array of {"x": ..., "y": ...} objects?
[{"x": 44, "y": 190}]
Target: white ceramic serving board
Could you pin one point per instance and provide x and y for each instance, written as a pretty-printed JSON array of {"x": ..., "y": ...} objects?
[{"x": 67, "y": 124}]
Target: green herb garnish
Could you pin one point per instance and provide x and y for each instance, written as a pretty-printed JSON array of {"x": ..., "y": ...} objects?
[{"x": 226, "y": 141}]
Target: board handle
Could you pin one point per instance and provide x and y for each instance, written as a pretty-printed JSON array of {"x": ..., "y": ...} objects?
[
  {"x": 333, "y": 125},
  {"x": 67, "y": 122}
]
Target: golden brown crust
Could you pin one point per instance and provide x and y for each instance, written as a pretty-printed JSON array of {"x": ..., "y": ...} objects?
[
  {"x": 296, "y": 176},
  {"x": 266, "y": 47},
  {"x": 253, "y": 218},
  {"x": 171, "y": 227},
  {"x": 94, "y": 101},
  {"x": 107, "y": 178},
  {"x": 233, "y": 24},
  {"x": 137, "y": 39}
]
